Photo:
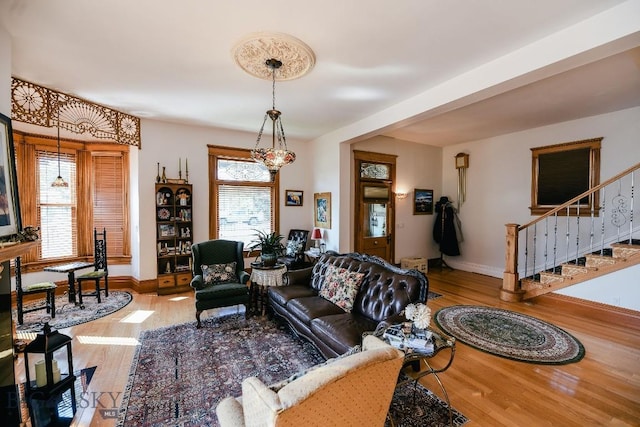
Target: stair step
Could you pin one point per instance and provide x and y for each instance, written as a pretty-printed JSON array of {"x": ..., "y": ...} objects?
[
  {"x": 624, "y": 251},
  {"x": 571, "y": 270},
  {"x": 550, "y": 278},
  {"x": 599, "y": 260},
  {"x": 530, "y": 284}
]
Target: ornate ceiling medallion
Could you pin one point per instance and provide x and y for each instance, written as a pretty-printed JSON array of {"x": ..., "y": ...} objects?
[{"x": 253, "y": 51}]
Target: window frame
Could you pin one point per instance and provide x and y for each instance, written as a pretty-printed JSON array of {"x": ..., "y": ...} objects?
[
  {"x": 229, "y": 153},
  {"x": 594, "y": 146},
  {"x": 26, "y": 146}
]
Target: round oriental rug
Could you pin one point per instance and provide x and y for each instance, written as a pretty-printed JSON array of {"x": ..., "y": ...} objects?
[
  {"x": 68, "y": 314},
  {"x": 509, "y": 334}
]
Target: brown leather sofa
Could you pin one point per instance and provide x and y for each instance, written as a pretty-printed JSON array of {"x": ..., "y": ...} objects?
[{"x": 385, "y": 291}]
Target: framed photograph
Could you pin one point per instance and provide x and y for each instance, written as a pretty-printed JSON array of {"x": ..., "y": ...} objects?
[
  {"x": 322, "y": 210},
  {"x": 10, "y": 221},
  {"x": 422, "y": 202},
  {"x": 166, "y": 230},
  {"x": 293, "y": 198}
]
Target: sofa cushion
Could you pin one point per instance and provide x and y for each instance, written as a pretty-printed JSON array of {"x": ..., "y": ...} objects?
[
  {"x": 307, "y": 308},
  {"x": 221, "y": 291},
  {"x": 219, "y": 273},
  {"x": 342, "y": 332},
  {"x": 294, "y": 247},
  {"x": 341, "y": 286},
  {"x": 283, "y": 294}
]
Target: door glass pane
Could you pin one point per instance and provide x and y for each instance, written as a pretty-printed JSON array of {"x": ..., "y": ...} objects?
[{"x": 375, "y": 222}]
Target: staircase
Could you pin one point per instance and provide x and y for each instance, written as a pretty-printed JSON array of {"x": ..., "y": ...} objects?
[
  {"x": 589, "y": 267},
  {"x": 560, "y": 251}
]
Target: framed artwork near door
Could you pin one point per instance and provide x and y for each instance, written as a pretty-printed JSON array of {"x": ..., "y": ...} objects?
[
  {"x": 322, "y": 210},
  {"x": 422, "y": 202}
]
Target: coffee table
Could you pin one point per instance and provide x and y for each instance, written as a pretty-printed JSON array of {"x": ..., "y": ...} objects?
[{"x": 420, "y": 360}]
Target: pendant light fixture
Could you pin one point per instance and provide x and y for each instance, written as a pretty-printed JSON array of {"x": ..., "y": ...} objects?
[
  {"x": 273, "y": 158},
  {"x": 59, "y": 181}
]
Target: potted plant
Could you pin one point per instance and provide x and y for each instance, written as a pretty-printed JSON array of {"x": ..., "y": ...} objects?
[{"x": 270, "y": 246}]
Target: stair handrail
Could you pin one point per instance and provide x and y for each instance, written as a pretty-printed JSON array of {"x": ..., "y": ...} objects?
[
  {"x": 511, "y": 290},
  {"x": 580, "y": 196}
]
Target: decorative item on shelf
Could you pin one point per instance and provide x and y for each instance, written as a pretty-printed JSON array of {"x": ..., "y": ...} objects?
[
  {"x": 158, "y": 174},
  {"x": 59, "y": 181},
  {"x": 317, "y": 236},
  {"x": 52, "y": 360},
  {"x": 270, "y": 245},
  {"x": 186, "y": 171},
  {"x": 179, "y": 167},
  {"x": 164, "y": 174},
  {"x": 183, "y": 197}
]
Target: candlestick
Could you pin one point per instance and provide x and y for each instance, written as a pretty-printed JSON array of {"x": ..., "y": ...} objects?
[
  {"x": 179, "y": 167},
  {"x": 186, "y": 167}
]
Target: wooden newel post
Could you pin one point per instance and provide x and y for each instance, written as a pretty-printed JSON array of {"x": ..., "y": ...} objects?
[{"x": 510, "y": 281}]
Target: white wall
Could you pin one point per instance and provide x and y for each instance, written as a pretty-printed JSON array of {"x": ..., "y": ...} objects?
[
  {"x": 5, "y": 72},
  {"x": 417, "y": 166},
  {"x": 499, "y": 184}
]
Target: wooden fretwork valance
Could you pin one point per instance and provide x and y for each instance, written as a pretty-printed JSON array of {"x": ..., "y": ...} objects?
[{"x": 38, "y": 105}]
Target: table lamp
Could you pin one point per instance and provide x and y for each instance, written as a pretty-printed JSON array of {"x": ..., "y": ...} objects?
[{"x": 316, "y": 235}]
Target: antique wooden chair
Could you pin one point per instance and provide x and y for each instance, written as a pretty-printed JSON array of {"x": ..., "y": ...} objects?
[
  {"x": 100, "y": 269},
  {"x": 48, "y": 288},
  {"x": 296, "y": 245}
]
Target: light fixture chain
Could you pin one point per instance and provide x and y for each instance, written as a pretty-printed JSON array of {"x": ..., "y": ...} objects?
[
  {"x": 273, "y": 90},
  {"x": 261, "y": 130}
]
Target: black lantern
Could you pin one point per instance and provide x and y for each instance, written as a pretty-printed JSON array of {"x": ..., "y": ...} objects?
[{"x": 51, "y": 396}]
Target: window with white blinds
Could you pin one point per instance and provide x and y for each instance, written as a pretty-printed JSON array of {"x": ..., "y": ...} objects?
[
  {"x": 109, "y": 198},
  {"x": 56, "y": 206},
  {"x": 245, "y": 198}
]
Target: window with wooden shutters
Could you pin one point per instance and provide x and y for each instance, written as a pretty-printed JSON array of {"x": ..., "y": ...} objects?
[
  {"x": 109, "y": 198},
  {"x": 56, "y": 206},
  {"x": 243, "y": 198},
  {"x": 97, "y": 196}
]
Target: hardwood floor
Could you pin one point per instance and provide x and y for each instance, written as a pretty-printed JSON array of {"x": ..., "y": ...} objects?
[{"x": 601, "y": 390}]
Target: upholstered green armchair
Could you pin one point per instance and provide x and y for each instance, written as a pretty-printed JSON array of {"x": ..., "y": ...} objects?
[{"x": 219, "y": 279}]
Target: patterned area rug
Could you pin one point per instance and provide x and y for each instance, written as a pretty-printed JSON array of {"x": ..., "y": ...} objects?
[
  {"x": 180, "y": 373},
  {"x": 509, "y": 334},
  {"x": 68, "y": 315}
]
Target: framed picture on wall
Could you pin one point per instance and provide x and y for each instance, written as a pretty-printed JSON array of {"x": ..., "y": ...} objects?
[
  {"x": 293, "y": 198},
  {"x": 322, "y": 210},
  {"x": 9, "y": 205},
  {"x": 422, "y": 202}
]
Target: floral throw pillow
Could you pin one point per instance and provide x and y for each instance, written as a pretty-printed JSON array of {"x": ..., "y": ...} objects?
[
  {"x": 341, "y": 286},
  {"x": 293, "y": 247},
  {"x": 219, "y": 273}
]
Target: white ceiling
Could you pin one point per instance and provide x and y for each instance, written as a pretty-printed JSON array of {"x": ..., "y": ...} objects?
[{"x": 172, "y": 61}]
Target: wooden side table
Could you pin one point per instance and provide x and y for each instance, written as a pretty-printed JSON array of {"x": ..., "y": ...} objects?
[
  {"x": 261, "y": 278},
  {"x": 312, "y": 256}
]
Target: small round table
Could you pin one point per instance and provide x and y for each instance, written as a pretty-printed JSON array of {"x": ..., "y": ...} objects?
[{"x": 261, "y": 279}]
